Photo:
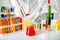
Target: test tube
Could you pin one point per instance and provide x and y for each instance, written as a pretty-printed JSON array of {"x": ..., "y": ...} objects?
[
  {"x": 4, "y": 30},
  {"x": 35, "y": 26},
  {"x": 40, "y": 26},
  {"x": 8, "y": 17},
  {"x": 3, "y": 22},
  {"x": 20, "y": 27},
  {"x": 46, "y": 24},
  {"x": 9, "y": 31},
  {"x": 8, "y": 13},
  {"x": 0, "y": 31},
  {"x": 0, "y": 23},
  {"x": 19, "y": 21},
  {"x": 11, "y": 27},
  {"x": 14, "y": 22},
  {"x": 23, "y": 24},
  {"x": 49, "y": 1},
  {"x": 6, "y": 25},
  {"x": 49, "y": 13},
  {"x": 16, "y": 25}
]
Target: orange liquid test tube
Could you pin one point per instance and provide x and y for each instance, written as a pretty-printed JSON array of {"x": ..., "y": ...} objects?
[
  {"x": 0, "y": 31},
  {"x": 3, "y": 30},
  {"x": 8, "y": 13},
  {"x": 0, "y": 26},
  {"x": 14, "y": 22},
  {"x": 46, "y": 24},
  {"x": 4, "y": 26},
  {"x": 3, "y": 22},
  {"x": 20, "y": 27}
]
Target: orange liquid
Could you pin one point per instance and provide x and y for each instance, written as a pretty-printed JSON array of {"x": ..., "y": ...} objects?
[
  {"x": 3, "y": 22},
  {"x": 46, "y": 24},
  {"x": 0, "y": 23},
  {"x": 19, "y": 27},
  {"x": 3, "y": 30},
  {"x": 0, "y": 31},
  {"x": 8, "y": 13}
]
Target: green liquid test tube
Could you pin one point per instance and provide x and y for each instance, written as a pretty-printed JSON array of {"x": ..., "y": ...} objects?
[
  {"x": 38, "y": 26},
  {"x": 6, "y": 29},
  {"x": 49, "y": 14}
]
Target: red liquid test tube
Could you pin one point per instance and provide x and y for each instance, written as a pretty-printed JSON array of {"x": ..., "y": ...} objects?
[{"x": 48, "y": 1}]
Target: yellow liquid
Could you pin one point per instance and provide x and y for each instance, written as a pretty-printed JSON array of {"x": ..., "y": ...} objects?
[
  {"x": 57, "y": 25},
  {"x": 25, "y": 24},
  {"x": 11, "y": 27}
]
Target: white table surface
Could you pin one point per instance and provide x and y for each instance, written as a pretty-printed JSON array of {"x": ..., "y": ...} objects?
[{"x": 52, "y": 35}]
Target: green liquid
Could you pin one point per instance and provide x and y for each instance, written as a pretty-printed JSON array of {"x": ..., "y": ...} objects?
[
  {"x": 6, "y": 29},
  {"x": 38, "y": 26},
  {"x": 49, "y": 14}
]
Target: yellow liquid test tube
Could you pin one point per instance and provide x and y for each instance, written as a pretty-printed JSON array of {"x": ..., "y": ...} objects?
[
  {"x": 23, "y": 25},
  {"x": 11, "y": 27},
  {"x": 0, "y": 23},
  {"x": 27, "y": 23},
  {"x": 38, "y": 26},
  {"x": 14, "y": 22},
  {"x": 58, "y": 25},
  {"x": 35, "y": 26}
]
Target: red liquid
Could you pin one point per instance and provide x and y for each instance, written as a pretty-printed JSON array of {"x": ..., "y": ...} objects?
[
  {"x": 49, "y": 1},
  {"x": 8, "y": 21},
  {"x": 19, "y": 19},
  {"x": 30, "y": 31},
  {"x": 27, "y": 14}
]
